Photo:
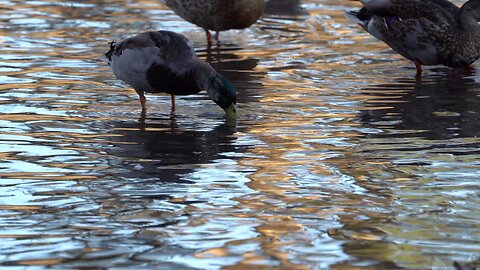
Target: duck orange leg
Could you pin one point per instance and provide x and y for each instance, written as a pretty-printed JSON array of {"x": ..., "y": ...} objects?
[
  {"x": 209, "y": 37},
  {"x": 143, "y": 102},
  {"x": 173, "y": 102},
  {"x": 418, "y": 66}
]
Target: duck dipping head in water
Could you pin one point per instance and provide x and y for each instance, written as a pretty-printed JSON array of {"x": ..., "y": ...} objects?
[{"x": 165, "y": 62}]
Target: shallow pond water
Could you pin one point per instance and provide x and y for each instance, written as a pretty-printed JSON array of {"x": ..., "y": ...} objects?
[{"x": 341, "y": 159}]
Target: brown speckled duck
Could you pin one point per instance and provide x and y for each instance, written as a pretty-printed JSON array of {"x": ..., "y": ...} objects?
[
  {"x": 427, "y": 32},
  {"x": 218, "y": 15}
]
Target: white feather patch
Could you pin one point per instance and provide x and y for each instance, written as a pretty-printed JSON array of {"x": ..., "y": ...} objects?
[{"x": 132, "y": 65}]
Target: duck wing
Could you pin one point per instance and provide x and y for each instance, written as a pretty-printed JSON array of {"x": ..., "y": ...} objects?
[
  {"x": 160, "y": 61},
  {"x": 435, "y": 11},
  {"x": 173, "y": 50},
  {"x": 415, "y": 39},
  {"x": 201, "y": 13},
  {"x": 416, "y": 29}
]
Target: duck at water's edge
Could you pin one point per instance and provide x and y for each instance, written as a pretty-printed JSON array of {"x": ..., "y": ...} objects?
[
  {"x": 165, "y": 62},
  {"x": 427, "y": 32},
  {"x": 218, "y": 15}
]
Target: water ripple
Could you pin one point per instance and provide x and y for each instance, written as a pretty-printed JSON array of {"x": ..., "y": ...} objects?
[{"x": 340, "y": 159}]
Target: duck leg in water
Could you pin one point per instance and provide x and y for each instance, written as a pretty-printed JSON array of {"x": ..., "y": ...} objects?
[
  {"x": 173, "y": 102},
  {"x": 209, "y": 37},
  {"x": 143, "y": 102},
  {"x": 418, "y": 66}
]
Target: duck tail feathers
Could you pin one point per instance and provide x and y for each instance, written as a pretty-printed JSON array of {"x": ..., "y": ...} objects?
[{"x": 352, "y": 15}]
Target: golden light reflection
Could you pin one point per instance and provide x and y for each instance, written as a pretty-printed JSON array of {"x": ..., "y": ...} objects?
[
  {"x": 21, "y": 207},
  {"x": 44, "y": 262},
  {"x": 322, "y": 183}
]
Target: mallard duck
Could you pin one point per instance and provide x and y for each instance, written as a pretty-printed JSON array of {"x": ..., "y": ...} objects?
[
  {"x": 427, "y": 32},
  {"x": 165, "y": 61},
  {"x": 218, "y": 15}
]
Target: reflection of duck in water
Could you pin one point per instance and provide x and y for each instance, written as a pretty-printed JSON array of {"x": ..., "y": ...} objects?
[
  {"x": 165, "y": 61},
  {"x": 162, "y": 149},
  {"x": 439, "y": 107},
  {"x": 426, "y": 32},
  {"x": 218, "y": 15}
]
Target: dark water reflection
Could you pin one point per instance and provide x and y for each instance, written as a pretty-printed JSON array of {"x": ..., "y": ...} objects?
[
  {"x": 161, "y": 149},
  {"x": 341, "y": 159},
  {"x": 439, "y": 107},
  {"x": 425, "y": 127}
]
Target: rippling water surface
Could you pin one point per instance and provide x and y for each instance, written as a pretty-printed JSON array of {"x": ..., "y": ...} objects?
[{"x": 341, "y": 159}]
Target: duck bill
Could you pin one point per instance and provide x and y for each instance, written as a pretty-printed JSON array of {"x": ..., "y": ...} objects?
[{"x": 231, "y": 111}]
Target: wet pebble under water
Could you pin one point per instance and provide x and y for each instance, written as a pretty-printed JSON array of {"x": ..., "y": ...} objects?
[{"x": 341, "y": 159}]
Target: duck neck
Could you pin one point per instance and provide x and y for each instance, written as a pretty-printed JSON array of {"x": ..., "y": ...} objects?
[
  {"x": 204, "y": 73},
  {"x": 466, "y": 18}
]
